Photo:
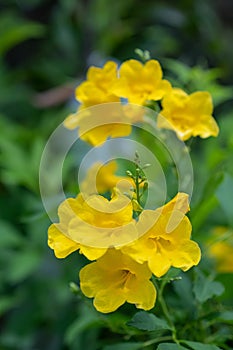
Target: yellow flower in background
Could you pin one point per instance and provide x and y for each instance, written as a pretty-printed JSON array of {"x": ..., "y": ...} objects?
[
  {"x": 92, "y": 225},
  {"x": 98, "y": 123},
  {"x": 140, "y": 82},
  {"x": 96, "y": 89},
  {"x": 188, "y": 115},
  {"x": 101, "y": 178},
  {"x": 115, "y": 279},
  {"x": 220, "y": 248},
  {"x": 165, "y": 238}
]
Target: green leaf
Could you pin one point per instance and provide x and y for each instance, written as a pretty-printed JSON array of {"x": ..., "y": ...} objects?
[
  {"x": 9, "y": 236},
  {"x": 22, "y": 264},
  {"x": 224, "y": 194},
  {"x": 180, "y": 69},
  {"x": 226, "y": 317},
  {"x": 89, "y": 318},
  {"x": 148, "y": 322},
  {"x": 6, "y": 303},
  {"x": 124, "y": 346},
  {"x": 14, "y": 30},
  {"x": 205, "y": 289},
  {"x": 200, "y": 346},
  {"x": 183, "y": 289},
  {"x": 170, "y": 346}
]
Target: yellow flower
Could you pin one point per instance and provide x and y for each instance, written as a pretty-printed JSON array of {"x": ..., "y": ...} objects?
[
  {"x": 92, "y": 225},
  {"x": 165, "y": 238},
  {"x": 101, "y": 178},
  {"x": 115, "y": 279},
  {"x": 96, "y": 89},
  {"x": 141, "y": 82},
  {"x": 188, "y": 115},
  {"x": 58, "y": 236},
  {"x": 221, "y": 249},
  {"x": 98, "y": 123}
]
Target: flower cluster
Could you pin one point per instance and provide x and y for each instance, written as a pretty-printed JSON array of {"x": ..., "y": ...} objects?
[
  {"x": 126, "y": 251},
  {"x": 139, "y": 84},
  {"x": 125, "y": 243}
]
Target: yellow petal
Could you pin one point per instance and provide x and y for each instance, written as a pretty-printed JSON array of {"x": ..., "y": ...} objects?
[
  {"x": 162, "y": 89},
  {"x": 61, "y": 244},
  {"x": 179, "y": 202},
  {"x": 173, "y": 226},
  {"x": 207, "y": 127},
  {"x": 142, "y": 293},
  {"x": 176, "y": 99},
  {"x": 186, "y": 255},
  {"x": 159, "y": 264},
  {"x": 153, "y": 69},
  {"x": 129, "y": 68},
  {"x": 201, "y": 101},
  {"x": 92, "y": 253},
  {"x": 108, "y": 300},
  {"x": 92, "y": 280},
  {"x": 98, "y": 135},
  {"x": 141, "y": 249}
]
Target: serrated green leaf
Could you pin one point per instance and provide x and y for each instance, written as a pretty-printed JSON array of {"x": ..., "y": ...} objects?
[
  {"x": 124, "y": 346},
  {"x": 148, "y": 322},
  {"x": 205, "y": 289},
  {"x": 170, "y": 346},
  {"x": 200, "y": 346}
]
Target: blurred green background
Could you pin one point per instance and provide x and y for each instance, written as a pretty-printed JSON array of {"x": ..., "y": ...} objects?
[{"x": 46, "y": 47}]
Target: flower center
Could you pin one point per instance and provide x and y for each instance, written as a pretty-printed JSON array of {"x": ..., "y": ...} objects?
[{"x": 126, "y": 276}]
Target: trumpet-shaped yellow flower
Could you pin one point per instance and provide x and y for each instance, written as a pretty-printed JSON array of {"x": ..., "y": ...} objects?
[
  {"x": 188, "y": 115},
  {"x": 165, "y": 239},
  {"x": 101, "y": 178},
  {"x": 92, "y": 225},
  {"x": 115, "y": 279},
  {"x": 97, "y": 88},
  {"x": 98, "y": 123},
  {"x": 59, "y": 238},
  {"x": 221, "y": 249},
  {"x": 141, "y": 82}
]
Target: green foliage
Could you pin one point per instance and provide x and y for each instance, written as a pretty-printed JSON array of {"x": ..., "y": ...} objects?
[
  {"x": 224, "y": 194},
  {"x": 205, "y": 289},
  {"x": 148, "y": 322},
  {"x": 14, "y": 30},
  {"x": 124, "y": 346},
  {"x": 170, "y": 346},
  {"x": 200, "y": 346}
]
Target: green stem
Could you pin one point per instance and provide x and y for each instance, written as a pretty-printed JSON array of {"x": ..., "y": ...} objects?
[
  {"x": 166, "y": 312},
  {"x": 156, "y": 340},
  {"x": 137, "y": 185}
]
